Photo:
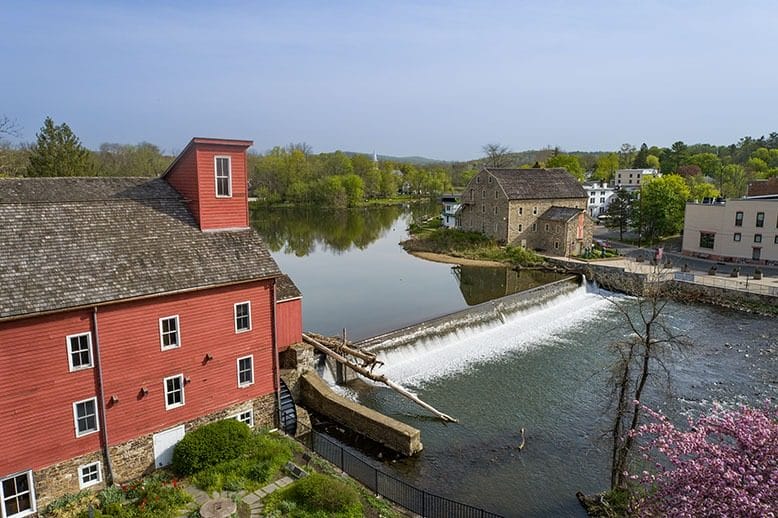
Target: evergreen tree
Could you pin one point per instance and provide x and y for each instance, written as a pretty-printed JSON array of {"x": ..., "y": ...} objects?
[
  {"x": 641, "y": 159},
  {"x": 620, "y": 212},
  {"x": 58, "y": 152}
]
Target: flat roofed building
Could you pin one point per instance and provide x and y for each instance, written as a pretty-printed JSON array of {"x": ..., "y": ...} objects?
[
  {"x": 632, "y": 178},
  {"x": 732, "y": 230}
]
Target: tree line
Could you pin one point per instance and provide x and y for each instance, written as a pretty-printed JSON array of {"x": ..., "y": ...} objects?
[
  {"x": 294, "y": 174},
  {"x": 284, "y": 174}
]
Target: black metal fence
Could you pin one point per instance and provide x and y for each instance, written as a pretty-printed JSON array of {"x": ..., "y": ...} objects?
[{"x": 408, "y": 496}]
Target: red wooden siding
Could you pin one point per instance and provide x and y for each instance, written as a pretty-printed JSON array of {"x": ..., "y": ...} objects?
[
  {"x": 132, "y": 356},
  {"x": 193, "y": 174},
  {"x": 183, "y": 178},
  {"x": 290, "y": 323},
  {"x": 232, "y": 212},
  {"x": 37, "y": 392}
]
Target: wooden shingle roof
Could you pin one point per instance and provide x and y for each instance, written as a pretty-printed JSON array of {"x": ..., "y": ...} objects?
[
  {"x": 286, "y": 289},
  {"x": 537, "y": 184},
  {"x": 72, "y": 242}
]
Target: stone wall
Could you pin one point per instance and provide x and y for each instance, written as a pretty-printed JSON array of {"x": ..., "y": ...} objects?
[
  {"x": 393, "y": 434},
  {"x": 63, "y": 478},
  {"x": 485, "y": 207},
  {"x": 135, "y": 458},
  {"x": 520, "y": 222}
]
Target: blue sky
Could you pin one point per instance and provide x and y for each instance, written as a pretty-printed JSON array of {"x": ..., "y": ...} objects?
[{"x": 438, "y": 78}]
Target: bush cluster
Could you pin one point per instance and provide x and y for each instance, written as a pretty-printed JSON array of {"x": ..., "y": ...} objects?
[
  {"x": 262, "y": 458},
  {"x": 152, "y": 497},
  {"x": 209, "y": 445},
  {"x": 317, "y": 495}
]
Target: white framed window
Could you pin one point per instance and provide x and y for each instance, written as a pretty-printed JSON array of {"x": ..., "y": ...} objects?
[
  {"x": 246, "y": 416},
  {"x": 547, "y": 227},
  {"x": 89, "y": 475},
  {"x": 85, "y": 417},
  {"x": 242, "y": 317},
  {"x": 534, "y": 211},
  {"x": 519, "y": 227},
  {"x": 174, "y": 391},
  {"x": 521, "y": 211},
  {"x": 556, "y": 245},
  {"x": 534, "y": 227},
  {"x": 17, "y": 494},
  {"x": 223, "y": 172},
  {"x": 246, "y": 371},
  {"x": 79, "y": 351},
  {"x": 169, "y": 332}
]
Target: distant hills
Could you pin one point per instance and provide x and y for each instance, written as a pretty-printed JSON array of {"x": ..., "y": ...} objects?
[
  {"x": 588, "y": 158},
  {"x": 418, "y": 160}
]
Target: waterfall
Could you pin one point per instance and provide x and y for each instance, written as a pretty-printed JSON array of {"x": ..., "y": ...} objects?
[{"x": 457, "y": 348}]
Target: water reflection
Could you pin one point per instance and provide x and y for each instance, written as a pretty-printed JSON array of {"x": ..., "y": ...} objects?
[
  {"x": 479, "y": 284},
  {"x": 353, "y": 273},
  {"x": 303, "y": 230}
]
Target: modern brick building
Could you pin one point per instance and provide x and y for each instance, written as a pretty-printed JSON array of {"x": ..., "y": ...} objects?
[
  {"x": 131, "y": 310},
  {"x": 543, "y": 209}
]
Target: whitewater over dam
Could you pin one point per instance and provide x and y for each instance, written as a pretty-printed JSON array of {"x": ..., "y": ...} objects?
[{"x": 451, "y": 344}]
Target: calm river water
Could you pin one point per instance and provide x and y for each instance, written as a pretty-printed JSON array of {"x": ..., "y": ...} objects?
[{"x": 545, "y": 370}]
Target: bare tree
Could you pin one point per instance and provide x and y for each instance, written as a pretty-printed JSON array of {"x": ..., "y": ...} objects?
[
  {"x": 496, "y": 155},
  {"x": 638, "y": 357},
  {"x": 304, "y": 147},
  {"x": 9, "y": 127}
]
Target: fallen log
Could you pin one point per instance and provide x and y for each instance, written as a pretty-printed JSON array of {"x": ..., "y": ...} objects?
[
  {"x": 338, "y": 345},
  {"x": 375, "y": 377}
]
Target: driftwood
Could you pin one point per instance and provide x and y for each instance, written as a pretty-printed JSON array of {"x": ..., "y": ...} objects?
[
  {"x": 368, "y": 359},
  {"x": 369, "y": 373}
]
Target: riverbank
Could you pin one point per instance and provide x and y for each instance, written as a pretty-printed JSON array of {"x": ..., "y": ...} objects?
[
  {"x": 446, "y": 243},
  {"x": 450, "y": 259}
]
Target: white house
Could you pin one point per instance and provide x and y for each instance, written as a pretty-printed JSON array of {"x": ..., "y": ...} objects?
[
  {"x": 600, "y": 196},
  {"x": 451, "y": 208}
]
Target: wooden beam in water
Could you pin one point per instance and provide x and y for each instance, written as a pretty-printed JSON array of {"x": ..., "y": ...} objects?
[{"x": 375, "y": 377}]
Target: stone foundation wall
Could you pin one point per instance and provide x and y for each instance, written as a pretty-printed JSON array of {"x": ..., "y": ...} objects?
[
  {"x": 63, "y": 478},
  {"x": 135, "y": 458},
  {"x": 393, "y": 434},
  {"x": 296, "y": 361}
]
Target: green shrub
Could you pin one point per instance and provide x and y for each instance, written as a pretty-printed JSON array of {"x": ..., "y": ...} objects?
[
  {"x": 265, "y": 454},
  {"x": 71, "y": 506},
  {"x": 210, "y": 445},
  {"x": 317, "y": 495}
]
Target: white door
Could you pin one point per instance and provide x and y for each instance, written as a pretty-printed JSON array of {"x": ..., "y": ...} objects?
[{"x": 164, "y": 443}]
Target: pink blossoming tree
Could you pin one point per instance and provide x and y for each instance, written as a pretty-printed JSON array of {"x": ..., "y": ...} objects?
[{"x": 726, "y": 464}]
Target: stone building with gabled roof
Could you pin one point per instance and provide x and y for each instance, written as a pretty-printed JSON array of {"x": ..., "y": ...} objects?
[
  {"x": 542, "y": 209},
  {"x": 131, "y": 311}
]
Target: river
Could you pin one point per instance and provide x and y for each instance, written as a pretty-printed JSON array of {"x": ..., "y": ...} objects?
[{"x": 545, "y": 369}]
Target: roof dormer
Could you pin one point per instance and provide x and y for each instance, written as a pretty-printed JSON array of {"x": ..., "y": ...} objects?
[{"x": 212, "y": 174}]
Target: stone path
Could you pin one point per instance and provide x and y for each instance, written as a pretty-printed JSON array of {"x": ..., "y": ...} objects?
[{"x": 253, "y": 500}]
